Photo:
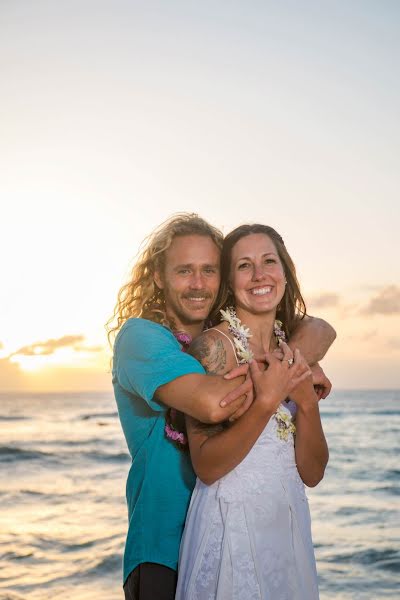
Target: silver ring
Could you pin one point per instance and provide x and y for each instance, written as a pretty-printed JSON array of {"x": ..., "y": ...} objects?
[{"x": 290, "y": 361}]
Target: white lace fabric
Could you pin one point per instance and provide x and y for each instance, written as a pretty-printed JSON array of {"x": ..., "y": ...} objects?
[{"x": 248, "y": 536}]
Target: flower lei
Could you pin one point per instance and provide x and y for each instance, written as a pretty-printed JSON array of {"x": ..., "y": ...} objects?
[
  {"x": 170, "y": 431},
  {"x": 241, "y": 336}
]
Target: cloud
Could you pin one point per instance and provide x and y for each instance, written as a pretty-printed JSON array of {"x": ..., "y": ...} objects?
[
  {"x": 81, "y": 348},
  {"x": 49, "y": 346},
  {"x": 386, "y": 302},
  {"x": 325, "y": 300}
]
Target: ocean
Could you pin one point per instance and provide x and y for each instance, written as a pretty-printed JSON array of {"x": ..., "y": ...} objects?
[{"x": 63, "y": 518}]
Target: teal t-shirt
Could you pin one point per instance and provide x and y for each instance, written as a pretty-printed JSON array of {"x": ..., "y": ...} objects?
[{"x": 161, "y": 478}]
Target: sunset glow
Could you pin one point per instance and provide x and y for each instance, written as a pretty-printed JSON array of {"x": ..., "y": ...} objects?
[{"x": 100, "y": 146}]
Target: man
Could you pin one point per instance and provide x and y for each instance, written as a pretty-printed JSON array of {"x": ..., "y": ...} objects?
[{"x": 173, "y": 287}]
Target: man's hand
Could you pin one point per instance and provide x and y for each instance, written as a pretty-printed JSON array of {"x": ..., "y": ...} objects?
[
  {"x": 322, "y": 385},
  {"x": 245, "y": 389}
]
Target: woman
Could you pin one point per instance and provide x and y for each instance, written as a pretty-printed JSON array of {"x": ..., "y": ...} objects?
[{"x": 248, "y": 530}]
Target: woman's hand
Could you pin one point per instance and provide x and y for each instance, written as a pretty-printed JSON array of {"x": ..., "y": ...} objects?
[
  {"x": 280, "y": 379},
  {"x": 304, "y": 393}
]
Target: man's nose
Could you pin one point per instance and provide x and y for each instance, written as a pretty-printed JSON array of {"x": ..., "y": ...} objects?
[{"x": 197, "y": 281}]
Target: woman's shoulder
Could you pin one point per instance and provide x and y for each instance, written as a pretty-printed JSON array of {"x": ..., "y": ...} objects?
[{"x": 214, "y": 349}]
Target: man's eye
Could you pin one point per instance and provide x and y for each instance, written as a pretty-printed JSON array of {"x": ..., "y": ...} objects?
[
  {"x": 183, "y": 271},
  {"x": 210, "y": 270}
]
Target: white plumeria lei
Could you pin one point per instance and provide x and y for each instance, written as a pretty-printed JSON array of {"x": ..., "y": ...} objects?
[{"x": 241, "y": 336}]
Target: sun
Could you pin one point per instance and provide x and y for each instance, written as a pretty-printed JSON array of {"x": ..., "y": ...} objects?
[{"x": 36, "y": 362}]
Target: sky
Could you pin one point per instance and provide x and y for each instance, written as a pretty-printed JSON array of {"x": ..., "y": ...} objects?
[{"x": 115, "y": 115}]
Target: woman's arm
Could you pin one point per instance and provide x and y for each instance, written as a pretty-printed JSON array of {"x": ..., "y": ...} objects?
[
  {"x": 214, "y": 454},
  {"x": 310, "y": 444}
]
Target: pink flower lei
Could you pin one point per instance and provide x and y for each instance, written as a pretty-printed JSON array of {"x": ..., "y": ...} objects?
[{"x": 170, "y": 432}]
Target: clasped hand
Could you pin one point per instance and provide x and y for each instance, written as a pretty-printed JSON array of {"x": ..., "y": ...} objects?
[{"x": 287, "y": 375}]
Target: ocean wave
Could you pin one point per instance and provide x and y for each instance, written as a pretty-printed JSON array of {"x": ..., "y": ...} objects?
[
  {"x": 389, "y": 489},
  {"x": 10, "y": 453},
  {"x": 331, "y": 414},
  {"x": 75, "y": 443},
  {"x": 107, "y": 564},
  {"x": 388, "y": 559},
  {"x": 108, "y": 456},
  {"x": 386, "y": 412},
  {"x": 46, "y": 495},
  {"x": 104, "y": 415},
  {"x": 14, "y": 454},
  {"x": 392, "y": 474},
  {"x": 16, "y": 555}
]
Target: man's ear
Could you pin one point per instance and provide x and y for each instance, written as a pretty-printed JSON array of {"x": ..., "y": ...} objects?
[{"x": 158, "y": 280}]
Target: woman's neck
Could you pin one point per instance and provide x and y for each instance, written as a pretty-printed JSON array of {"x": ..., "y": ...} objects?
[{"x": 262, "y": 329}]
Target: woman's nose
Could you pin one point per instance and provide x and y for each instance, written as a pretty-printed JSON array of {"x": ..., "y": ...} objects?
[{"x": 258, "y": 272}]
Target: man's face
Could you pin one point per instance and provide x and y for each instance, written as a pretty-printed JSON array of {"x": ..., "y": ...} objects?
[{"x": 190, "y": 279}]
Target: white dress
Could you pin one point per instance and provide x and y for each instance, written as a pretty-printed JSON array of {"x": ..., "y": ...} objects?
[{"x": 248, "y": 536}]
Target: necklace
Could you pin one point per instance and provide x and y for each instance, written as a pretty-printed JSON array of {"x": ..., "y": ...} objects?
[{"x": 241, "y": 336}]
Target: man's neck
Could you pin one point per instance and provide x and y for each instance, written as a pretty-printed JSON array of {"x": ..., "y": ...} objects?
[{"x": 193, "y": 329}]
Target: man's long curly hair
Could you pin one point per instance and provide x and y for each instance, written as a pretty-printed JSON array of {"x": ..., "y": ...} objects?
[{"x": 140, "y": 296}]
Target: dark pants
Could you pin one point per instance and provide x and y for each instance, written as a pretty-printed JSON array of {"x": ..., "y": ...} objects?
[{"x": 150, "y": 581}]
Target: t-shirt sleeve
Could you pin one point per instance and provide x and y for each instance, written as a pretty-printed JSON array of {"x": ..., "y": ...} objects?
[{"x": 146, "y": 356}]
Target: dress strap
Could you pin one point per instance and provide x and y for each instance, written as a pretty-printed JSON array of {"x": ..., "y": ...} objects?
[{"x": 231, "y": 343}]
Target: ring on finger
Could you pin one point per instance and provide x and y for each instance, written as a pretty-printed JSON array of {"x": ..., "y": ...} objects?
[{"x": 289, "y": 361}]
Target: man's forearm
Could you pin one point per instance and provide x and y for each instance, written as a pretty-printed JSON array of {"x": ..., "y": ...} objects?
[
  {"x": 199, "y": 396},
  {"x": 313, "y": 337}
]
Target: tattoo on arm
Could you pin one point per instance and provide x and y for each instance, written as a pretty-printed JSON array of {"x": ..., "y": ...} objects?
[
  {"x": 209, "y": 350},
  {"x": 210, "y": 353}
]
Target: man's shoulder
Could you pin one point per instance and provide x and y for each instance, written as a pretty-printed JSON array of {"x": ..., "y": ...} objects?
[
  {"x": 144, "y": 334},
  {"x": 138, "y": 325}
]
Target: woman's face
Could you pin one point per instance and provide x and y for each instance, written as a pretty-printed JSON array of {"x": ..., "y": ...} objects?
[{"x": 257, "y": 278}]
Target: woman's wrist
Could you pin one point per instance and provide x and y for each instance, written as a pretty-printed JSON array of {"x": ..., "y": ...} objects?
[
  {"x": 308, "y": 405},
  {"x": 267, "y": 402}
]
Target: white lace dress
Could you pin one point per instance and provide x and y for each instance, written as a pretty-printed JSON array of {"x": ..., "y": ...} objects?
[{"x": 248, "y": 536}]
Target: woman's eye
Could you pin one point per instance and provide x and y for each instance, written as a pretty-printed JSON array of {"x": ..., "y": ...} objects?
[
  {"x": 243, "y": 266},
  {"x": 270, "y": 261}
]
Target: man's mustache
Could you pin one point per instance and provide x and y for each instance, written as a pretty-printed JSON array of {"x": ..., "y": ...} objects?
[{"x": 198, "y": 294}]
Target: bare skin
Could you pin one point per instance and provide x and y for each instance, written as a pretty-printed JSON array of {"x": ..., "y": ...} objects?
[{"x": 216, "y": 451}]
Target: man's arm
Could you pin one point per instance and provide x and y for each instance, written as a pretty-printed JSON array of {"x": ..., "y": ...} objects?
[
  {"x": 200, "y": 396},
  {"x": 313, "y": 337}
]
